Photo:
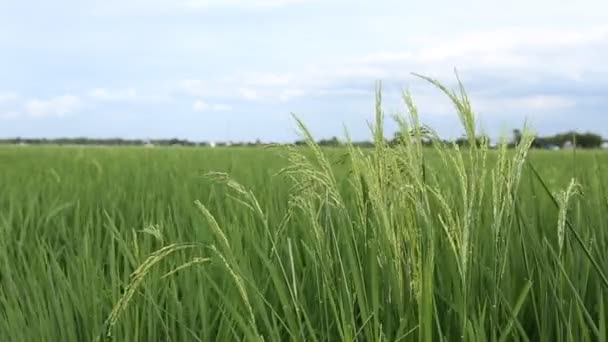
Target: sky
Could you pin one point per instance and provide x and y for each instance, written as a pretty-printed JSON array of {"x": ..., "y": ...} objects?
[{"x": 215, "y": 70}]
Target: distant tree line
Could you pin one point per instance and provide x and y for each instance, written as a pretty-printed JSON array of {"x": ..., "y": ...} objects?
[
  {"x": 561, "y": 140},
  {"x": 579, "y": 140},
  {"x": 103, "y": 142}
]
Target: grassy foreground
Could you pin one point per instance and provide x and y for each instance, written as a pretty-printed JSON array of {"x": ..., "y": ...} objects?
[{"x": 390, "y": 244}]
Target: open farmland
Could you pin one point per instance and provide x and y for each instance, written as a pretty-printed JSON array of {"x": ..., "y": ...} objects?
[
  {"x": 303, "y": 170},
  {"x": 384, "y": 244}
]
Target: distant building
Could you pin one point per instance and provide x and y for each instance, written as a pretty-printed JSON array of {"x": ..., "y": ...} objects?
[
  {"x": 568, "y": 145},
  {"x": 212, "y": 144},
  {"x": 604, "y": 145},
  {"x": 148, "y": 144}
]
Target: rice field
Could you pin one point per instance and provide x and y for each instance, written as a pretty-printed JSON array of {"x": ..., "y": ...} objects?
[{"x": 405, "y": 243}]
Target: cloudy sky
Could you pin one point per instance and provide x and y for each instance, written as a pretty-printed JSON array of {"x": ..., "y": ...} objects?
[{"x": 236, "y": 69}]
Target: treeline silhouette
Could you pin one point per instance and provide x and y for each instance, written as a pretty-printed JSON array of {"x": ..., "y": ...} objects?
[
  {"x": 101, "y": 142},
  {"x": 562, "y": 140}
]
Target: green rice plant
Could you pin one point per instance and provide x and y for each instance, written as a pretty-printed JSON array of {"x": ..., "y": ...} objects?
[{"x": 392, "y": 243}]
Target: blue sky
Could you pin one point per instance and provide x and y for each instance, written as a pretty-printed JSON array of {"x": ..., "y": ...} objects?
[{"x": 235, "y": 70}]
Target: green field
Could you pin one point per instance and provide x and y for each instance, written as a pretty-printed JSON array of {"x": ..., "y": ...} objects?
[{"x": 391, "y": 243}]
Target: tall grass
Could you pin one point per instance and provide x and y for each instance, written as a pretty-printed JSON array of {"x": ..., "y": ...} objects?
[{"x": 397, "y": 243}]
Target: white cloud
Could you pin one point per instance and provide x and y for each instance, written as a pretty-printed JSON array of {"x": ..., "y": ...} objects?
[
  {"x": 267, "y": 90},
  {"x": 54, "y": 107},
  {"x": 262, "y": 79},
  {"x": 249, "y": 94},
  {"x": 546, "y": 102},
  {"x": 221, "y": 107},
  {"x": 103, "y": 94},
  {"x": 506, "y": 69},
  {"x": 194, "y": 87},
  {"x": 202, "y": 106},
  {"x": 530, "y": 49},
  {"x": 518, "y": 55},
  {"x": 244, "y": 3},
  {"x": 254, "y": 86},
  {"x": 289, "y": 93},
  {"x": 8, "y": 100},
  {"x": 164, "y": 6},
  {"x": 9, "y": 114},
  {"x": 6, "y": 97},
  {"x": 527, "y": 104}
]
